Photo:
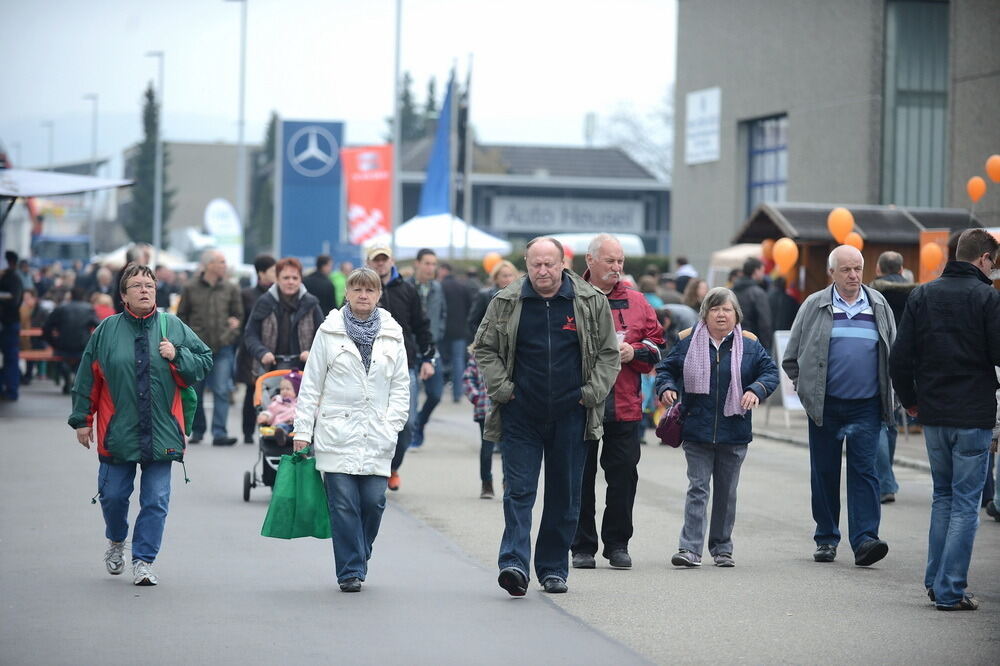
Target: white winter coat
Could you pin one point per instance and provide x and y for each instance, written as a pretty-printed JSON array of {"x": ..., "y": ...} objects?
[{"x": 352, "y": 418}]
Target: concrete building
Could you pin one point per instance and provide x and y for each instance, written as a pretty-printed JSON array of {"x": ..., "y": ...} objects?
[{"x": 846, "y": 102}]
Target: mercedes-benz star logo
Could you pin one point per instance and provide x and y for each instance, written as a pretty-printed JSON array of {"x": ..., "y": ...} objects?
[{"x": 305, "y": 154}]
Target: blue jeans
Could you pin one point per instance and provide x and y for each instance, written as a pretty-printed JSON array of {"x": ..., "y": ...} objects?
[
  {"x": 883, "y": 463},
  {"x": 356, "y": 506},
  {"x": 220, "y": 382},
  {"x": 526, "y": 441},
  {"x": 433, "y": 388},
  {"x": 857, "y": 421},
  {"x": 456, "y": 350},
  {"x": 10, "y": 344},
  {"x": 959, "y": 465},
  {"x": 405, "y": 435},
  {"x": 115, "y": 483}
]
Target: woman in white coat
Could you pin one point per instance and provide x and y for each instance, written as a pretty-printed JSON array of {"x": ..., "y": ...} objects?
[{"x": 354, "y": 399}]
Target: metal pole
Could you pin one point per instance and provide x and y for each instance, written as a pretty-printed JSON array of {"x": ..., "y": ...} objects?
[
  {"x": 241, "y": 150},
  {"x": 92, "y": 222},
  {"x": 452, "y": 156},
  {"x": 397, "y": 132},
  {"x": 158, "y": 177},
  {"x": 467, "y": 167}
]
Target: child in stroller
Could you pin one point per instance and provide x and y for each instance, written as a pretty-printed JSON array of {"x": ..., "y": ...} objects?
[
  {"x": 280, "y": 413},
  {"x": 278, "y": 389}
]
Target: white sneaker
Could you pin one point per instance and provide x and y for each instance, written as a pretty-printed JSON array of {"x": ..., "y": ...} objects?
[
  {"x": 142, "y": 573},
  {"x": 114, "y": 557}
]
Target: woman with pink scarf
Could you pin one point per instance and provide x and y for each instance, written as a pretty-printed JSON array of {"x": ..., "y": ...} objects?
[{"x": 716, "y": 404}]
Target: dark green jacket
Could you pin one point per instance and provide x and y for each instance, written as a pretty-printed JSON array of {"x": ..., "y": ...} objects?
[
  {"x": 495, "y": 351},
  {"x": 206, "y": 308},
  {"x": 130, "y": 393}
]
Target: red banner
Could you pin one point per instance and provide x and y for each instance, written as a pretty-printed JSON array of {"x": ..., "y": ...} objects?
[{"x": 368, "y": 174}]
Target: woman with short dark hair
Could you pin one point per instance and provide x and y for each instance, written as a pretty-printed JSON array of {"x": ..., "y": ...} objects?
[{"x": 716, "y": 402}]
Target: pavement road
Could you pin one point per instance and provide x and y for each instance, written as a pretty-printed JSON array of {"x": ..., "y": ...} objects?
[{"x": 228, "y": 595}]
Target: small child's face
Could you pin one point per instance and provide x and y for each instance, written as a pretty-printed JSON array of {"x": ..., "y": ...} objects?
[{"x": 286, "y": 389}]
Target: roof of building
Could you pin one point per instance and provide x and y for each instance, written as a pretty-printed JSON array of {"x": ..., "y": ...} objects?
[
  {"x": 521, "y": 160},
  {"x": 806, "y": 222}
]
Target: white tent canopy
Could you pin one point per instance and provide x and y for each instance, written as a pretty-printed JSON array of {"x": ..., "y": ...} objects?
[
  {"x": 442, "y": 233},
  {"x": 578, "y": 243},
  {"x": 27, "y": 183},
  {"x": 727, "y": 259}
]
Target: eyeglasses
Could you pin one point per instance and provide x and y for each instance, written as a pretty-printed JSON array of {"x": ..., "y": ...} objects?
[{"x": 144, "y": 286}]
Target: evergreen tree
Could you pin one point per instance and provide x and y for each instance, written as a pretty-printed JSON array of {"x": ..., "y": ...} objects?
[
  {"x": 139, "y": 224},
  {"x": 431, "y": 110},
  {"x": 411, "y": 127},
  {"x": 259, "y": 233}
]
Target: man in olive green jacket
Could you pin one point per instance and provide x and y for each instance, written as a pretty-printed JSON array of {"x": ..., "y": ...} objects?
[{"x": 549, "y": 355}]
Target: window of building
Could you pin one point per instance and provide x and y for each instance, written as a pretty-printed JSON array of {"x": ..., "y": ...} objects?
[
  {"x": 914, "y": 154},
  {"x": 767, "y": 163}
]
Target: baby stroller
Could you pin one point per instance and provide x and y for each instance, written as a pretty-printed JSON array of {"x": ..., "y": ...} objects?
[{"x": 269, "y": 451}]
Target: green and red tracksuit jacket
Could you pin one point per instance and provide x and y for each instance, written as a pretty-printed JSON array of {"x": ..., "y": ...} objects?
[{"x": 130, "y": 394}]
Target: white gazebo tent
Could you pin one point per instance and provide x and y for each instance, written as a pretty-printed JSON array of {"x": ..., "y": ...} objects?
[{"x": 450, "y": 237}]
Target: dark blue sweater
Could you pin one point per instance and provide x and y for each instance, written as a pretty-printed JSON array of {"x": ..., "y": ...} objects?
[{"x": 548, "y": 370}]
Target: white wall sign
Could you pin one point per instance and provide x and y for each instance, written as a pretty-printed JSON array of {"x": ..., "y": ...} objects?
[
  {"x": 558, "y": 215},
  {"x": 702, "y": 123},
  {"x": 222, "y": 222}
]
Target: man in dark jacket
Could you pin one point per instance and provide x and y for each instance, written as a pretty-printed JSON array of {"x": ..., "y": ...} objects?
[
  {"x": 402, "y": 301},
  {"x": 11, "y": 293},
  {"x": 263, "y": 264},
  {"x": 319, "y": 285},
  {"x": 212, "y": 307},
  {"x": 458, "y": 301},
  {"x": 435, "y": 308},
  {"x": 67, "y": 329},
  {"x": 754, "y": 303},
  {"x": 942, "y": 369},
  {"x": 640, "y": 340}
]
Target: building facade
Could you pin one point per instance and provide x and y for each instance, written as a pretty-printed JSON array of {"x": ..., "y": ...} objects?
[{"x": 847, "y": 102}]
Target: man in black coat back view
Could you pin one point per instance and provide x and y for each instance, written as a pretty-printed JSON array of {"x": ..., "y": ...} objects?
[
  {"x": 458, "y": 301},
  {"x": 319, "y": 285},
  {"x": 754, "y": 303}
]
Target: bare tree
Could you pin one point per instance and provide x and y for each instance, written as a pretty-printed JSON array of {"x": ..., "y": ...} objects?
[{"x": 647, "y": 137}]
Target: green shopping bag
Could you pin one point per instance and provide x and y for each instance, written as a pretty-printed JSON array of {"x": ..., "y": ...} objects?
[{"x": 298, "y": 505}]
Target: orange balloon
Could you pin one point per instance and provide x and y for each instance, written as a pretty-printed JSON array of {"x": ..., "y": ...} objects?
[
  {"x": 931, "y": 256},
  {"x": 767, "y": 249},
  {"x": 854, "y": 239},
  {"x": 993, "y": 168},
  {"x": 976, "y": 187},
  {"x": 786, "y": 253},
  {"x": 840, "y": 222},
  {"x": 491, "y": 260}
]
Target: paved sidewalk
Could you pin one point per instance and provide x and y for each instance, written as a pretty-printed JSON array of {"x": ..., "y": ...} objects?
[{"x": 792, "y": 426}]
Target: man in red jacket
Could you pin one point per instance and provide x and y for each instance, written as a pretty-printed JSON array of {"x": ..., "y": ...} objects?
[{"x": 640, "y": 340}]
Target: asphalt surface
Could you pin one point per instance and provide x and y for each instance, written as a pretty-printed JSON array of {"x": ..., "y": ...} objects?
[{"x": 228, "y": 595}]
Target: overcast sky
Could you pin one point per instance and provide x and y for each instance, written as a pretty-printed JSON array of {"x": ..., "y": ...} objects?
[{"x": 539, "y": 66}]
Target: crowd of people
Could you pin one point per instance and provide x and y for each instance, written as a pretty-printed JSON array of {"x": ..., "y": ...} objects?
[{"x": 564, "y": 372}]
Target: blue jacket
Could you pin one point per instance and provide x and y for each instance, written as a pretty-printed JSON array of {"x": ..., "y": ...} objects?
[{"x": 703, "y": 417}]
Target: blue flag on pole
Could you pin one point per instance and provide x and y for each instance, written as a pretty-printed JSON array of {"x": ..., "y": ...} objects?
[{"x": 435, "y": 195}]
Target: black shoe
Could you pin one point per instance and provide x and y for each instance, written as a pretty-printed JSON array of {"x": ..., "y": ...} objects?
[
  {"x": 195, "y": 438},
  {"x": 248, "y": 439},
  {"x": 555, "y": 585},
  {"x": 825, "y": 552},
  {"x": 968, "y": 602},
  {"x": 514, "y": 581},
  {"x": 930, "y": 594},
  {"x": 870, "y": 552},
  {"x": 620, "y": 559},
  {"x": 992, "y": 511},
  {"x": 223, "y": 441},
  {"x": 351, "y": 585},
  {"x": 584, "y": 561},
  {"x": 886, "y": 498}
]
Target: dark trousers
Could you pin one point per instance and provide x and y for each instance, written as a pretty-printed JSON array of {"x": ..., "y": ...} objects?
[
  {"x": 485, "y": 455},
  {"x": 10, "y": 343},
  {"x": 858, "y": 422},
  {"x": 249, "y": 412},
  {"x": 527, "y": 440},
  {"x": 620, "y": 451}
]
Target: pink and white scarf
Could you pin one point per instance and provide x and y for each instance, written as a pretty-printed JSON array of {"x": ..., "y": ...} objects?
[{"x": 698, "y": 368}]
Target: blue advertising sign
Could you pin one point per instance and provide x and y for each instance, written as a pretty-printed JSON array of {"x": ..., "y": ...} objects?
[{"x": 309, "y": 202}]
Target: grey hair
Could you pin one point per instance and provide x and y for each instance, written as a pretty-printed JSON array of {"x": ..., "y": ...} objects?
[
  {"x": 208, "y": 255},
  {"x": 720, "y": 296},
  {"x": 597, "y": 241},
  {"x": 831, "y": 265}
]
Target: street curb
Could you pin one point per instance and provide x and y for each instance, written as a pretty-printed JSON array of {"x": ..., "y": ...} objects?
[{"x": 802, "y": 442}]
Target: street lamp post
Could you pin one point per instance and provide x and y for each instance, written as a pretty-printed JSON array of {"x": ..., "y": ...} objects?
[
  {"x": 241, "y": 150},
  {"x": 49, "y": 125},
  {"x": 92, "y": 224},
  {"x": 158, "y": 175}
]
